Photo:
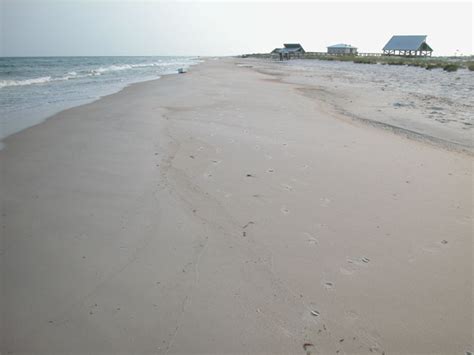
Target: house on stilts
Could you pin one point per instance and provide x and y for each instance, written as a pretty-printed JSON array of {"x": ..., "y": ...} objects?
[
  {"x": 408, "y": 46},
  {"x": 290, "y": 50}
]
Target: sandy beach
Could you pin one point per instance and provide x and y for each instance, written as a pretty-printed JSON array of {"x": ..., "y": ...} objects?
[{"x": 233, "y": 210}]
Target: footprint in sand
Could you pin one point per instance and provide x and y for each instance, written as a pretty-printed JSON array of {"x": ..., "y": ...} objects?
[
  {"x": 351, "y": 315},
  {"x": 347, "y": 270},
  {"x": 435, "y": 248},
  {"x": 284, "y": 210},
  {"x": 324, "y": 201},
  {"x": 328, "y": 285},
  {"x": 352, "y": 265},
  {"x": 310, "y": 239}
]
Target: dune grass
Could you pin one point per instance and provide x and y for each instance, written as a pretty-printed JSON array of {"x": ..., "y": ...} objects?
[{"x": 429, "y": 63}]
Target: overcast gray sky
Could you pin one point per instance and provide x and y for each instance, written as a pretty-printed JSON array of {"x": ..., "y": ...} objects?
[{"x": 108, "y": 27}]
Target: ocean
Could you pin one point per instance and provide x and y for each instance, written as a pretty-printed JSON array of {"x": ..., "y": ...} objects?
[{"x": 34, "y": 88}]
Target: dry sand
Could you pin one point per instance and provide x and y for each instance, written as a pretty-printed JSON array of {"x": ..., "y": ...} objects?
[
  {"x": 213, "y": 212},
  {"x": 429, "y": 105}
]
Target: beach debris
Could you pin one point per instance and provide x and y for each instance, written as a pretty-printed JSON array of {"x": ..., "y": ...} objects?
[
  {"x": 307, "y": 345},
  {"x": 365, "y": 260},
  {"x": 191, "y": 156},
  {"x": 341, "y": 340},
  {"x": 181, "y": 70},
  {"x": 249, "y": 175},
  {"x": 244, "y": 234},
  {"x": 444, "y": 241},
  {"x": 315, "y": 313}
]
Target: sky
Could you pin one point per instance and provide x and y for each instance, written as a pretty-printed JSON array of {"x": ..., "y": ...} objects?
[{"x": 110, "y": 27}]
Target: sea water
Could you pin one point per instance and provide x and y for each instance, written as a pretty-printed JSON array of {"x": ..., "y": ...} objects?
[{"x": 34, "y": 88}]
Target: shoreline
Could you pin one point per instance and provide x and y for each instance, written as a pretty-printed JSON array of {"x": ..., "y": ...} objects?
[
  {"x": 65, "y": 110},
  {"x": 221, "y": 211},
  {"x": 19, "y": 119}
]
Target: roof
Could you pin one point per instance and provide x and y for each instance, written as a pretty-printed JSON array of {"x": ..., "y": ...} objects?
[
  {"x": 342, "y": 45},
  {"x": 293, "y": 45},
  {"x": 408, "y": 43}
]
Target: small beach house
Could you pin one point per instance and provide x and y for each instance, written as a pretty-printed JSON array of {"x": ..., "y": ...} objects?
[
  {"x": 290, "y": 50},
  {"x": 410, "y": 46},
  {"x": 342, "y": 49}
]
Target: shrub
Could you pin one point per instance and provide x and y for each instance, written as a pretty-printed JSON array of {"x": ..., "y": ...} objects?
[
  {"x": 363, "y": 60},
  {"x": 433, "y": 66},
  {"x": 451, "y": 67}
]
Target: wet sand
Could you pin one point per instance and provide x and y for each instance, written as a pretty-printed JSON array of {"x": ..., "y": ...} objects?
[{"x": 224, "y": 211}]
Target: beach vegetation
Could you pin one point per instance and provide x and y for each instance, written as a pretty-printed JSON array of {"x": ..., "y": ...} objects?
[
  {"x": 451, "y": 67},
  {"x": 448, "y": 64},
  {"x": 431, "y": 66}
]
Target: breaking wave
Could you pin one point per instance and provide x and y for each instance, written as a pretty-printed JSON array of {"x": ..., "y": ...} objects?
[
  {"x": 42, "y": 80},
  {"x": 91, "y": 72}
]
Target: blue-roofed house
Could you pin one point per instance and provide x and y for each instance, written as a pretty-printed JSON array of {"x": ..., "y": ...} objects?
[
  {"x": 289, "y": 50},
  {"x": 342, "y": 49},
  {"x": 412, "y": 46}
]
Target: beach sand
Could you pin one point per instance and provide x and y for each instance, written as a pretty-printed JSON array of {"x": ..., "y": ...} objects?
[{"x": 224, "y": 211}]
